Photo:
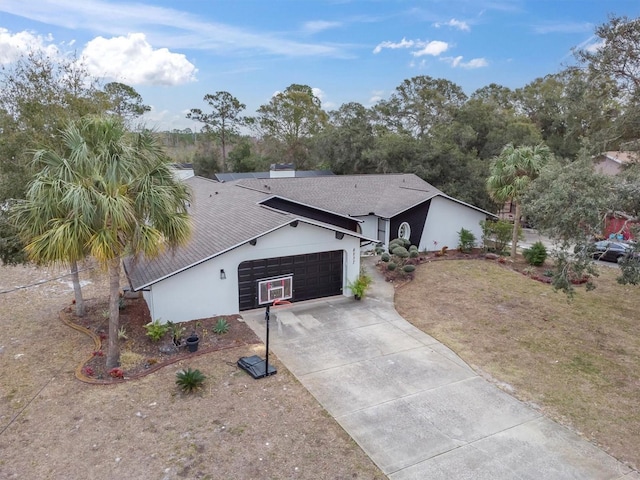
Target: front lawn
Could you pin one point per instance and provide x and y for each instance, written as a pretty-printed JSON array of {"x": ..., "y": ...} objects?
[{"x": 578, "y": 361}]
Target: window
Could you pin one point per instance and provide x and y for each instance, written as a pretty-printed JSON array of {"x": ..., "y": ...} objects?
[{"x": 404, "y": 231}]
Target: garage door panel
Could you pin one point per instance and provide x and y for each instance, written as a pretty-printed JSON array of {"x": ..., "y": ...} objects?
[{"x": 315, "y": 275}]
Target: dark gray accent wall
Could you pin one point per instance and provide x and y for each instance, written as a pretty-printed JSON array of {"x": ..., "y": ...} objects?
[
  {"x": 415, "y": 217},
  {"x": 312, "y": 213}
]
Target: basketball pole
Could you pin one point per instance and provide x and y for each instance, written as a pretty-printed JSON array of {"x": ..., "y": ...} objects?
[{"x": 266, "y": 360}]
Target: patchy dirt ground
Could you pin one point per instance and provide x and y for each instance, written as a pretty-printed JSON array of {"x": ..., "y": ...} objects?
[
  {"x": 53, "y": 426},
  {"x": 579, "y": 361}
]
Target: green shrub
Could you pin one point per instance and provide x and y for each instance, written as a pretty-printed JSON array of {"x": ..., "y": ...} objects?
[
  {"x": 536, "y": 255},
  {"x": 391, "y": 266},
  {"x": 413, "y": 253},
  {"x": 385, "y": 257},
  {"x": 221, "y": 327},
  {"x": 413, "y": 248},
  {"x": 360, "y": 285},
  {"x": 466, "y": 240},
  {"x": 396, "y": 241},
  {"x": 401, "y": 252},
  {"x": 408, "y": 268},
  {"x": 156, "y": 330},
  {"x": 496, "y": 235},
  {"x": 190, "y": 380}
]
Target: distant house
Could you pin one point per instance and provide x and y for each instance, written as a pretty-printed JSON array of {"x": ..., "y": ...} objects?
[
  {"x": 182, "y": 170},
  {"x": 251, "y": 233},
  {"x": 277, "y": 170},
  {"x": 612, "y": 163},
  {"x": 617, "y": 224}
]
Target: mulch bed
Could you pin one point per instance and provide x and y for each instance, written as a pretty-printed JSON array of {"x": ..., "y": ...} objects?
[
  {"x": 139, "y": 355},
  {"x": 518, "y": 264}
]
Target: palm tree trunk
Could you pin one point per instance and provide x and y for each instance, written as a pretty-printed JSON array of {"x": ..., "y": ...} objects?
[
  {"x": 77, "y": 290},
  {"x": 113, "y": 353},
  {"x": 514, "y": 236}
]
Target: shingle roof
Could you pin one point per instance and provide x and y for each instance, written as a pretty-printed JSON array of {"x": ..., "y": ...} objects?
[
  {"x": 352, "y": 195},
  {"x": 226, "y": 215},
  {"x": 223, "y": 217}
]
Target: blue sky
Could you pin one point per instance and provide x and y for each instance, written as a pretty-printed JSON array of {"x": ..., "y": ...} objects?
[{"x": 175, "y": 52}]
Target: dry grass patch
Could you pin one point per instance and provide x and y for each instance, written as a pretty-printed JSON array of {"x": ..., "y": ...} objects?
[
  {"x": 579, "y": 361},
  {"x": 54, "y": 427}
]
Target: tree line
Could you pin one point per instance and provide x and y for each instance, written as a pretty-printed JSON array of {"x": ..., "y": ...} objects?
[{"x": 427, "y": 126}]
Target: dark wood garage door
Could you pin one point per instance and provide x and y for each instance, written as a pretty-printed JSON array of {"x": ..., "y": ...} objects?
[{"x": 315, "y": 275}]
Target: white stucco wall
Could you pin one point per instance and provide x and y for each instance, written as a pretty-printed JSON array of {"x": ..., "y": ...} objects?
[
  {"x": 369, "y": 228},
  {"x": 444, "y": 221},
  {"x": 199, "y": 292}
]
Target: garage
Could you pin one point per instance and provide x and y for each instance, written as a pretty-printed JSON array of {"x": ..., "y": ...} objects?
[{"x": 315, "y": 275}]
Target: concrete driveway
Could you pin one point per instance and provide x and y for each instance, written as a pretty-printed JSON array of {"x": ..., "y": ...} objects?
[{"x": 412, "y": 405}]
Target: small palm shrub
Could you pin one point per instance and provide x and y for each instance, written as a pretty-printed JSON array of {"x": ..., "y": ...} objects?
[
  {"x": 156, "y": 330},
  {"x": 190, "y": 380},
  {"x": 122, "y": 333},
  {"x": 466, "y": 240},
  {"x": 536, "y": 255},
  {"x": 221, "y": 327},
  {"x": 360, "y": 285}
]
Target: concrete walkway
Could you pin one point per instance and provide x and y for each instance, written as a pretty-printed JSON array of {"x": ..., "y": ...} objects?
[{"x": 415, "y": 407}]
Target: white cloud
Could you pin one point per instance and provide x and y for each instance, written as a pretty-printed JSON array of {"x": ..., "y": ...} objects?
[
  {"x": 404, "y": 43},
  {"x": 12, "y": 46},
  {"x": 319, "y": 26},
  {"x": 595, "y": 46},
  {"x": 134, "y": 61},
  {"x": 475, "y": 63},
  {"x": 456, "y": 62},
  {"x": 434, "y": 48},
  {"x": 175, "y": 28},
  {"x": 460, "y": 25},
  {"x": 318, "y": 93}
]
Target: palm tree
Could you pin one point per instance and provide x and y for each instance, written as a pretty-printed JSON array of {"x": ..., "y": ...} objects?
[
  {"x": 118, "y": 197},
  {"x": 511, "y": 173},
  {"x": 49, "y": 213}
]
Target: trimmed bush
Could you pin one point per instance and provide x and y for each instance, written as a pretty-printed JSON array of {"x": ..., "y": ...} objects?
[
  {"x": 413, "y": 248},
  {"x": 395, "y": 243},
  {"x": 391, "y": 266},
  {"x": 401, "y": 252},
  {"x": 413, "y": 253},
  {"x": 536, "y": 255},
  {"x": 408, "y": 268},
  {"x": 385, "y": 257}
]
